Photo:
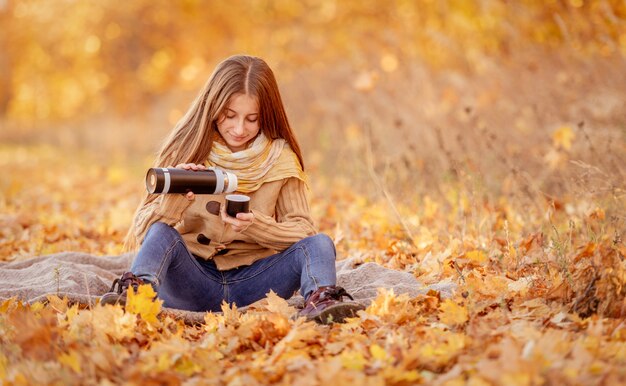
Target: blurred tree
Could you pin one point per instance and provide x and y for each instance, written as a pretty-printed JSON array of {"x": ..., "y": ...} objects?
[{"x": 64, "y": 59}]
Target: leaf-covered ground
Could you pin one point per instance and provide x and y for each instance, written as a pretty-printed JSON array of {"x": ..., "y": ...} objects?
[{"x": 540, "y": 296}]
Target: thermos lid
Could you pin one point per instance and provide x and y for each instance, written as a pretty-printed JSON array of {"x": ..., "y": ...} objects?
[{"x": 232, "y": 182}]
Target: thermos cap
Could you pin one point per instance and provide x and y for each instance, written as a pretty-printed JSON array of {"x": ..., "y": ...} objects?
[{"x": 232, "y": 182}]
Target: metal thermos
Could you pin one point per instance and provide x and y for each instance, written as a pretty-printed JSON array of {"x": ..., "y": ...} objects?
[{"x": 173, "y": 180}]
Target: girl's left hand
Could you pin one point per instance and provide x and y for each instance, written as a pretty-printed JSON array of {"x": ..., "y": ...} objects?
[{"x": 239, "y": 224}]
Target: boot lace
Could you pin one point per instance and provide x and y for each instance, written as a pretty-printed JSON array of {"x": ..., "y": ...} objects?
[
  {"x": 335, "y": 293},
  {"x": 127, "y": 279}
]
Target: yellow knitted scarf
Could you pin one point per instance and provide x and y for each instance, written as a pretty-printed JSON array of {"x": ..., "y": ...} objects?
[{"x": 263, "y": 161}]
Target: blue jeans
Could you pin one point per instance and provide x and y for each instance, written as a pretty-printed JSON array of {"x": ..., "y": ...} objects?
[{"x": 188, "y": 282}]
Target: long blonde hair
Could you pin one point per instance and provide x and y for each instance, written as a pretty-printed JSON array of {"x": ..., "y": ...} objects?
[{"x": 192, "y": 138}]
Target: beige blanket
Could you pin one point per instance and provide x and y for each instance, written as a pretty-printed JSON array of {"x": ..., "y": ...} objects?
[{"x": 82, "y": 278}]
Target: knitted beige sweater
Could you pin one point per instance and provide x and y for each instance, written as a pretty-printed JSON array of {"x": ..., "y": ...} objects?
[{"x": 281, "y": 218}]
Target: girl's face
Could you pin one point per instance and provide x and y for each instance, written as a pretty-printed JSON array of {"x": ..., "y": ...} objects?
[{"x": 240, "y": 123}]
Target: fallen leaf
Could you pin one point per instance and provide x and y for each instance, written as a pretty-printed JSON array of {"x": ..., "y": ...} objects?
[
  {"x": 71, "y": 360},
  {"x": 563, "y": 137},
  {"x": 452, "y": 314},
  {"x": 143, "y": 303},
  {"x": 279, "y": 305}
]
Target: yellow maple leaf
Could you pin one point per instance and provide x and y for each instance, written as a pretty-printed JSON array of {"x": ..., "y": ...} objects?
[
  {"x": 60, "y": 305},
  {"x": 101, "y": 325},
  {"x": 187, "y": 366},
  {"x": 9, "y": 303},
  {"x": 440, "y": 346},
  {"x": 300, "y": 335},
  {"x": 4, "y": 364},
  {"x": 517, "y": 378},
  {"x": 379, "y": 353},
  {"x": 36, "y": 307},
  {"x": 163, "y": 362},
  {"x": 71, "y": 313},
  {"x": 230, "y": 313},
  {"x": 452, "y": 314},
  {"x": 477, "y": 256},
  {"x": 353, "y": 360},
  {"x": 71, "y": 360},
  {"x": 563, "y": 137},
  {"x": 390, "y": 306},
  {"x": 279, "y": 305},
  {"x": 143, "y": 302},
  {"x": 394, "y": 375}
]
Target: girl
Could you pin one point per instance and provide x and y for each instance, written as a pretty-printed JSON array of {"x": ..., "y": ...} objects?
[{"x": 192, "y": 252}]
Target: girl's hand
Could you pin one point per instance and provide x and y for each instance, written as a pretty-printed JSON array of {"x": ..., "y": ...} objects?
[
  {"x": 191, "y": 166},
  {"x": 239, "y": 224},
  {"x": 190, "y": 195}
]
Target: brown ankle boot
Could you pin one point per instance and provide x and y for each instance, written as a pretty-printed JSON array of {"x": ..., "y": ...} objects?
[
  {"x": 325, "y": 305},
  {"x": 118, "y": 295}
]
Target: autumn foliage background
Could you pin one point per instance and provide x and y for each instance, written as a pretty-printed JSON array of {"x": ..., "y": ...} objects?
[{"x": 478, "y": 142}]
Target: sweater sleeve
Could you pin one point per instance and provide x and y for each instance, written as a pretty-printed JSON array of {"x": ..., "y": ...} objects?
[
  {"x": 167, "y": 208},
  {"x": 292, "y": 223}
]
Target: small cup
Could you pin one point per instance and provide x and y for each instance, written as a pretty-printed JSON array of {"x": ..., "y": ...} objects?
[{"x": 237, "y": 203}]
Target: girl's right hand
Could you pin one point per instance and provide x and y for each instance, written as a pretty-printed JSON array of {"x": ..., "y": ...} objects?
[{"x": 190, "y": 166}]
